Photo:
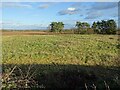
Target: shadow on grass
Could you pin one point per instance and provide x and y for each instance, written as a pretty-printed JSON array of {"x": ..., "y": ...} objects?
[{"x": 61, "y": 76}]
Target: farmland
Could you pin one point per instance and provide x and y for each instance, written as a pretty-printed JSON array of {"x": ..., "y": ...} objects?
[
  {"x": 62, "y": 49},
  {"x": 91, "y": 54}
]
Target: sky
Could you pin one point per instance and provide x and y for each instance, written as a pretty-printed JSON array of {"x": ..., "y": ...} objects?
[{"x": 39, "y": 15}]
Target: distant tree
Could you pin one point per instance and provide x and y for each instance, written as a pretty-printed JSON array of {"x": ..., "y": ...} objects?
[
  {"x": 79, "y": 27},
  {"x": 56, "y": 26},
  {"x": 94, "y": 27},
  {"x": 53, "y": 26},
  {"x": 111, "y": 27},
  {"x": 85, "y": 25},
  {"x": 79, "y": 24},
  {"x": 98, "y": 27},
  {"x": 60, "y": 26},
  {"x": 82, "y": 27},
  {"x": 105, "y": 27}
]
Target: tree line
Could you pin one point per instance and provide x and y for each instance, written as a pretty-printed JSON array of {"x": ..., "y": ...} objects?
[{"x": 99, "y": 27}]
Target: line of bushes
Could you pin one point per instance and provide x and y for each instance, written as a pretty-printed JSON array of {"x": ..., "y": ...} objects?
[{"x": 99, "y": 27}]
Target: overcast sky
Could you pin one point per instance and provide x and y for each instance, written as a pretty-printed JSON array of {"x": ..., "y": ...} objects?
[{"x": 38, "y": 15}]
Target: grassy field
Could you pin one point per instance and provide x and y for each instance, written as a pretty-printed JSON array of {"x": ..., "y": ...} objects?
[
  {"x": 57, "y": 54},
  {"x": 60, "y": 49}
]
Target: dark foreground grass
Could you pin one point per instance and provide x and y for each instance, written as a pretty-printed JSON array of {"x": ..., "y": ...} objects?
[{"x": 61, "y": 76}]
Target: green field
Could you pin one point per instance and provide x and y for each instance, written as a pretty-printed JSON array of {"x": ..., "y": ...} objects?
[
  {"x": 60, "y": 49},
  {"x": 69, "y": 60}
]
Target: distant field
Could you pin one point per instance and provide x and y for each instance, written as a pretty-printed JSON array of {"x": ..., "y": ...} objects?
[
  {"x": 60, "y": 49},
  {"x": 24, "y": 33},
  {"x": 36, "y": 32}
]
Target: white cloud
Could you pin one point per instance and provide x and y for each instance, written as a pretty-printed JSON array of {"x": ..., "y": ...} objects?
[
  {"x": 93, "y": 15},
  {"x": 71, "y": 9},
  {"x": 15, "y": 5},
  {"x": 104, "y": 6},
  {"x": 47, "y": 5},
  {"x": 18, "y": 25}
]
